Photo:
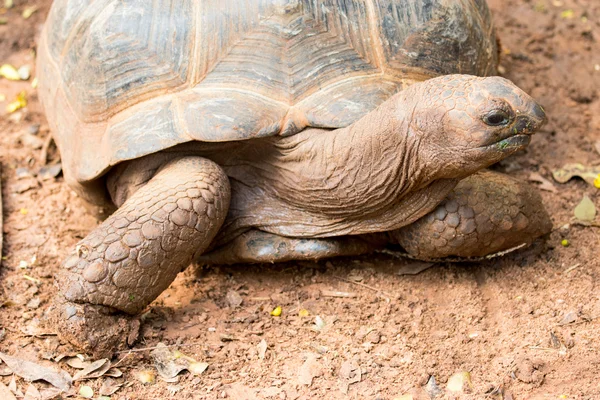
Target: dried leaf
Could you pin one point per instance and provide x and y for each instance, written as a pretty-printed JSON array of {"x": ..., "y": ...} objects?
[
  {"x": 309, "y": 370},
  {"x": 33, "y": 372},
  {"x": 32, "y": 393},
  {"x": 8, "y": 4},
  {"x": 9, "y": 72},
  {"x": 86, "y": 391},
  {"x": 114, "y": 372},
  {"x": 166, "y": 363},
  {"x": 94, "y": 370},
  {"x": 20, "y": 102},
  {"x": 545, "y": 184},
  {"x": 5, "y": 393},
  {"x": 76, "y": 362},
  {"x": 414, "y": 268},
  {"x": 276, "y": 312},
  {"x": 50, "y": 393},
  {"x": 109, "y": 387},
  {"x": 568, "y": 171},
  {"x": 28, "y": 11},
  {"x": 303, "y": 313},
  {"x": 460, "y": 382},
  {"x": 170, "y": 364},
  {"x": 585, "y": 210},
  {"x": 335, "y": 293},
  {"x": 567, "y": 14},
  {"x": 146, "y": 376},
  {"x": 262, "y": 349},
  {"x": 320, "y": 323},
  {"x": 12, "y": 385},
  {"x": 568, "y": 318},
  {"x": 350, "y": 372},
  {"x": 197, "y": 368}
]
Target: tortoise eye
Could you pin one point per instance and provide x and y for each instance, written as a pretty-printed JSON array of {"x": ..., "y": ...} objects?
[{"x": 496, "y": 118}]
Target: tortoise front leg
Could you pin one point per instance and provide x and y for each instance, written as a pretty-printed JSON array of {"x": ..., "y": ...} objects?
[
  {"x": 135, "y": 254},
  {"x": 486, "y": 213}
]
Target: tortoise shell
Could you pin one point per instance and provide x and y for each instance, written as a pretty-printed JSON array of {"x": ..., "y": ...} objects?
[{"x": 123, "y": 79}]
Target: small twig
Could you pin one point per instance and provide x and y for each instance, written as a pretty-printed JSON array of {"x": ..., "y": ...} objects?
[
  {"x": 129, "y": 352},
  {"x": 1, "y": 222},
  {"x": 571, "y": 268},
  {"x": 155, "y": 347},
  {"x": 363, "y": 285},
  {"x": 541, "y": 348},
  {"x": 592, "y": 224},
  {"x": 333, "y": 293},
  {"x": 584, "y": 320},
  {"x": 44, "y": 152}
]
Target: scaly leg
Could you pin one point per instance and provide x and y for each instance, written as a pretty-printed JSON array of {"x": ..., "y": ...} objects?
[
  {"x": 135, "y": 254},
  {"x": 486, "y": 213}
]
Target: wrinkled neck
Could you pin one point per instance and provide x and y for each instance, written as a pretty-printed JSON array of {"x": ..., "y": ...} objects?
[{"x": 364, "y": 168}]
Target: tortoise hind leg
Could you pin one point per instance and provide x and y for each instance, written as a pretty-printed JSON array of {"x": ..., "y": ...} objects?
[
  {"x": 135, "y": 254},
  {"x": 256, "y": 246}
]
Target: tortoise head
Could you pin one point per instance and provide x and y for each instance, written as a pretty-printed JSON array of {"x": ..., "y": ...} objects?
[{"x": 467, "y": 123}]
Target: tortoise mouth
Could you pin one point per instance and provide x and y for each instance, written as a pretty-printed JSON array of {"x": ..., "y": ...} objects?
[{"x": 511, "y": 143}]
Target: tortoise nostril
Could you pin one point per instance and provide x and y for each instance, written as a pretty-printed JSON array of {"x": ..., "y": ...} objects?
[{"x": 522, "y": 125}]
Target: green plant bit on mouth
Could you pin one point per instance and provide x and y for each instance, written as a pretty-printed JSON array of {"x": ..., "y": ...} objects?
[{"x": 502, "y": 145}]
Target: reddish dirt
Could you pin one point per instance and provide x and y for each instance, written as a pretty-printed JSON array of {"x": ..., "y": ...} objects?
[{"x": 499, "y": 320}]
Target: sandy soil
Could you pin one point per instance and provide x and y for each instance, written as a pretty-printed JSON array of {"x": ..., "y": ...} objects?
[{"x": 525, "y": 326}]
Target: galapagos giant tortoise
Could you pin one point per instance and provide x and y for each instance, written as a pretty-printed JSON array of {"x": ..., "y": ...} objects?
[{"x": 269, "y": 130}]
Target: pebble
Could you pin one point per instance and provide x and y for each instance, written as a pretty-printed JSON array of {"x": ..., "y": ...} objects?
[
  {"x": 24, "y": 72},
  {"x": 432, "y": 388},
  {"x": 22, "y": 187},
  {"x": 23, "y": 172},
  {"x": 33, "y": 129},
  {"x": 34, "y": 303},
  {"x": 50, "y": 171},
  {"x": 234, "y": 299}
]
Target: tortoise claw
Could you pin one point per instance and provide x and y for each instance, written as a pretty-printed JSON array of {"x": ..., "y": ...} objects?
[{"x": 95, "y": 329}]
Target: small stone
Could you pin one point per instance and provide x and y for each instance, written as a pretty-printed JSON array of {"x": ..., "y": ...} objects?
[
  {"x": 373, "y": 337},
  {"x": 432, "y": 388},
  {"x": 31, "y": 141},
  {"x": 50, "y": 171},
  {"x": 24, "y": 186},
  {"x": 569, "y": 317},
  {"x": 24, "y": 72},
  {"x": 33, "y": 129},
  {"x": 234, "y": 299},
  {"x": 34, "y": 303},
  {"x": 23, "y": 172}
]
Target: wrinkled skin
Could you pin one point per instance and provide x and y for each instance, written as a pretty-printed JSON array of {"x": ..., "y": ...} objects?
[{"x": 343, "y": 191}]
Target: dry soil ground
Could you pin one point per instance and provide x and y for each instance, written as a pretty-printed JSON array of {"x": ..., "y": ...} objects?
[{"x": 525, "y": 326}]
